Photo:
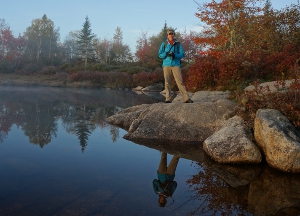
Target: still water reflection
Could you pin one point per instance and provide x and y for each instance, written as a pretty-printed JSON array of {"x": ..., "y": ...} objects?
[{"x": 59, "y": 157}]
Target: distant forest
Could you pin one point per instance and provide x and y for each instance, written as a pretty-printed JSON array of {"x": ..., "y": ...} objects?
[{"x": 241, "y": 41}]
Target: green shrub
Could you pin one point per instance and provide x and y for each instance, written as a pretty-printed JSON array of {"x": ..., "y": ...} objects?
[
  {"x": 29, "y": 69},
  {"x": 110, "y": 68},
  {"x": 60, "y": 76},
  {"x": 65, "y": 66},
  {"x": 49, "y": 70},
  {"x": 7, "y": 67},
  {"x": 99, "y": 67},
  {"x": 136, "y": 69},
  {"x": 103, "y": 79}
]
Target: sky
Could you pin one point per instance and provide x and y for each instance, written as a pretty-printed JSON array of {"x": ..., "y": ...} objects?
[{"x": 132, "y": 16}]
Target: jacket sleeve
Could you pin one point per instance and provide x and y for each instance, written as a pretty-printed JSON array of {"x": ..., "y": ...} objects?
[
  {"x": 172, "y": 187},
  {"x": 181, "y": 54},
  {"x": 155, "y": 184},
  {"x": 162, "y": 52}
]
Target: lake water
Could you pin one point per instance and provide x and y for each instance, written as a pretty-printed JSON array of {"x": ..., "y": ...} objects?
[{"x": 58, "y": 156}]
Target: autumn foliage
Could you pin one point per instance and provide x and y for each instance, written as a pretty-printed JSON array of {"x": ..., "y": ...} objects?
[
  {"x": 103, "y": 79},
  {"x": 146, "y": 79},
  {"x": 214, "y": 195},
  {"x": 243, "y": 42}
]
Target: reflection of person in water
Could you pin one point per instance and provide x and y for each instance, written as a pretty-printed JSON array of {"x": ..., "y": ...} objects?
[{"x": 165, "y": 185}]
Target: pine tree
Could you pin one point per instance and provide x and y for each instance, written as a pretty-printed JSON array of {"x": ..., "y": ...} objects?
[{"x": 85, "y": 40}]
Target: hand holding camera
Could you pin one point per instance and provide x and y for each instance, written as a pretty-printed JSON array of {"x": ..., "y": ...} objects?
[{"x": 171, "y": 55}]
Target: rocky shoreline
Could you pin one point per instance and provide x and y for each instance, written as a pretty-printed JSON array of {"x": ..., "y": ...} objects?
[{"x": 210, "y": 122}]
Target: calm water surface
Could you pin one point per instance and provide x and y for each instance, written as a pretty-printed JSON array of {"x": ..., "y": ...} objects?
[{"x": 58, "y": 156}]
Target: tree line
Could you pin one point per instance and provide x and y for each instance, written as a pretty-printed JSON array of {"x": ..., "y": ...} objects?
[
  {"x": 241, "y": 41},
  {"x": 40, "y": 45}
]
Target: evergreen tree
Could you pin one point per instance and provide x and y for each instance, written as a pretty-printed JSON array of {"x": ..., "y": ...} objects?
[{"x": 85, "y": 42}]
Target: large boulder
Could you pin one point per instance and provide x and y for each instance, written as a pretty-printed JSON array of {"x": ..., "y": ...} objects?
[
  {"x": 176, "y": 122},
  {"x": 278, "y": 139},
  {"x": 125, "y": 117},
  {"x": 233, "y": 142}
]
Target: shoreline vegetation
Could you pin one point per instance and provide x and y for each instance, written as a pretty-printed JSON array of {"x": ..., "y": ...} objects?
[
  {"x": 283, "y": 96},
  {"x": 23, "y": 80},
  {"x": 44, "y": 80}
]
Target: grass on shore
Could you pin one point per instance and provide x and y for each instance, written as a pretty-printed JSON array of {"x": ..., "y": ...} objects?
[{"x": 41, "y": 80}]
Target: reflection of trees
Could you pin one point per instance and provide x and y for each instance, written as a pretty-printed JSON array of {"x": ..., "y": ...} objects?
[
  {"x": 102, "y": 113},
  {"x": 77, "y": 120},
  {"x": 83, "y": 126},
  {"x": 215, "y": 196},
  {"x": 4, "y": 125},
  {"x": 114, "y": 132},
  {"x": 271, "y": 192},
  {"x": 39, "y": 123},
  {"x": 36, "y": 111},
  {"x": 38, "y": 120},
  {"x": 83, "y": 132},
  {"x": 10, "y": 113},
  {"x": 2, "y": 136},
  {"x": 83, "y": 119}
]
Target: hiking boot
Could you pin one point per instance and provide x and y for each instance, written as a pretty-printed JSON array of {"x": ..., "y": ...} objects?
[{"x": 189, "y": 101}]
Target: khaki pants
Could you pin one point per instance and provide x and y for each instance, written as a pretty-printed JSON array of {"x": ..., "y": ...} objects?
[
  {"x": 176, "y": 71},
  {"x": 163, "y": 168}
]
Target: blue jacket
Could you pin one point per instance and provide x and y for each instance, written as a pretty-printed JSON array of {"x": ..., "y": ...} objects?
[
  {"x": 177, "y": 50},
  {"x": 164, "y": 179}
]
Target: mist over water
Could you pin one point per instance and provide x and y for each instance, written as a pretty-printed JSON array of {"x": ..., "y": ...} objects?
[{"x": 58, "y": 156}]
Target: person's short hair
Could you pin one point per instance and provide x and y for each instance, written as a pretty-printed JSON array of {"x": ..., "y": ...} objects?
[
  {"x": 170, "y": 31},
  {"x": 163, "y": 202}
]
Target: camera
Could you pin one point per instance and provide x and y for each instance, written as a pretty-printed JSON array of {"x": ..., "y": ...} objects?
[{"x": 171, "y": 54}]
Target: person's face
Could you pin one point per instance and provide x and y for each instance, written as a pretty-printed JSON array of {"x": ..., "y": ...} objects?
[{"x": 170, "y": 36}]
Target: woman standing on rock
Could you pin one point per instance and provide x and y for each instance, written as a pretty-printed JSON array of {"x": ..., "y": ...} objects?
[{"x": 171, "y": 51}]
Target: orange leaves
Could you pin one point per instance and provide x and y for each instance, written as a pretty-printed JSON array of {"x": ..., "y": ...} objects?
[
  {"x": 11, "y": 47},
  {"x": 202, "y": 74},
  {"x": 230, "y": 24},
  {"x": 238, "y": 4}
]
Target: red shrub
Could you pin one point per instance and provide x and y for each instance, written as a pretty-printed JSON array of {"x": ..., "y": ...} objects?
[
  {"x": 118, "y": 80},
  {"x": 103, "y": 79},
  {"x": 146, "y": 79},
  {"x": 231, "y": 69},
  {"x": 280, "y": 65},
  {"x": 202, "y": 74}
]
